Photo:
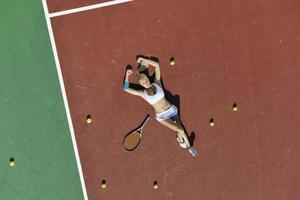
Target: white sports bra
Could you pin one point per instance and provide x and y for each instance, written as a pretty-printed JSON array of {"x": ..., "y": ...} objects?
[{"x": 155, "y": 98}]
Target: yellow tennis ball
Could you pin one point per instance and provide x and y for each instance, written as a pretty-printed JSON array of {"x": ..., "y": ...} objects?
[
  {"x": 234, "y": 107},
  {"x": 172, "y": 61},
  {"x": 155, "y": 185},
  {"x": 89, "y": 120},
  {"x": 212, "y": 122},
  {"x": 11, "y": 163},
  {"x": 103, "y": 184}
]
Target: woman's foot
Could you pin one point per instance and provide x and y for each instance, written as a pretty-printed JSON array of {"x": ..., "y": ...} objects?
[
  {"x": 181, "y": 143},
  {"x": 193, "y": 151}
]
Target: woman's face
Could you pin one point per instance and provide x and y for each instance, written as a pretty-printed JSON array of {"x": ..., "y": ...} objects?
[{"x": 145, "y": 82}]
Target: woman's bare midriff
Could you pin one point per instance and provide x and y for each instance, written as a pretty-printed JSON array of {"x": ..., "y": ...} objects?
[{"x": 162, "y": 105}]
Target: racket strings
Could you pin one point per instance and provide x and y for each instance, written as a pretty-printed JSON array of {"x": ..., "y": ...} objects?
[{"x": 131, "y": 141}]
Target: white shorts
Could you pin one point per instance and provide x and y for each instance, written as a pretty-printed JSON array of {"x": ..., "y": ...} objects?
[{"x": 171, "y": 112}]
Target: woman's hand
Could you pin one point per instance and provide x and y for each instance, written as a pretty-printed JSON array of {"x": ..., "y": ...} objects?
[
  {"x": 143, "y": 62},
  {"x": 129, "y": 72},
  {"x": 140, "y": 60},
  {"x": 147, "y": 62}
]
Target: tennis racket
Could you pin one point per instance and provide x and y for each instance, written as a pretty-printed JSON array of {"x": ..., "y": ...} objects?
[{"x": 132, "y": 140}]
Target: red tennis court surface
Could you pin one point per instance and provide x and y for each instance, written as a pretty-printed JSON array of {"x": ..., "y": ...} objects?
[{"x": 226, "y": 52}]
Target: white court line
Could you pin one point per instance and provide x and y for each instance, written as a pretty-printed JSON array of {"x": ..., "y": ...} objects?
[
  {"x": 63, "y": 90},
  {"x": 85, "y": 8},
  {"x": 60, "y": 77}
]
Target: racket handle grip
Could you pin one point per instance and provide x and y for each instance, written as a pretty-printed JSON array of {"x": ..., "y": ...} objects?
[{"x": 145, "y": 121}]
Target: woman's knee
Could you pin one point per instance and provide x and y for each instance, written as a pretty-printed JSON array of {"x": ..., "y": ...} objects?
[{"x": 171, "y": 124}]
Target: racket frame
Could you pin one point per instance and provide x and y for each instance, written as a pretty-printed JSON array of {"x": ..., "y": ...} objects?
[{"x": 139, "y": 130}]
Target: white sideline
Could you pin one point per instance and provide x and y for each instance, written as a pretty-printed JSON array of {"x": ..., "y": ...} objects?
[
  {"x": 62, "y": 87},
  {"x": 85, "y": 8}
]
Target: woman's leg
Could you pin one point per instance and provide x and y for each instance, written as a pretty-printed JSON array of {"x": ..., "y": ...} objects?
[
  {"x": 176, "y": 119},
  {"x": 178, "y": 128}
]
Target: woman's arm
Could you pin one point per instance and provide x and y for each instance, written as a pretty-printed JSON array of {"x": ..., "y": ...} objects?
[
  {"x": 148, "y": 62},
  {"x": 126, "y": 85}
]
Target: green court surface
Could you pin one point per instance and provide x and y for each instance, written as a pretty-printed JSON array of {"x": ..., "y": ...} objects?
[{"x": 34, "y": 128}]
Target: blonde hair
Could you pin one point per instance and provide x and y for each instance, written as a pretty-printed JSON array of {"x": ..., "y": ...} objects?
[
  {"x": 151, "y": 90},
  {"x": 141, "y": 76}
]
